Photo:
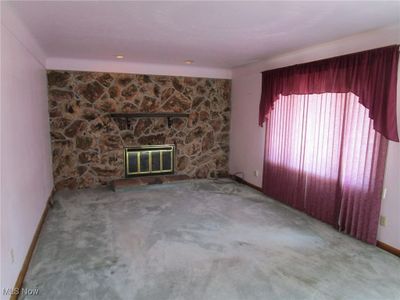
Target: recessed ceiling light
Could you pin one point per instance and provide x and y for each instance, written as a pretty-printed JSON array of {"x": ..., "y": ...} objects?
[
  {"x": 119, "y": 56},
  {"x": 189, "y": 61}
]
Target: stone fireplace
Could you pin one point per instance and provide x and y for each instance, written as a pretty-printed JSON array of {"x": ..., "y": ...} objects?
[{"x": 88, "y": 140}]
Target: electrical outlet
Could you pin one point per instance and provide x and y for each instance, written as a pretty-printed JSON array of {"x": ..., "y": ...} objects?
[
  {"x": 384, "y": 193},
  {"x": 382, "y": 220},
  {"x": 256, "y": 173},
  {"x": 12, "y": 255}
]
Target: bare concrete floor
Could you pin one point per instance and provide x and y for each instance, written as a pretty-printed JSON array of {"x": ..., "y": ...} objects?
[{"x": 199, "y": 240}]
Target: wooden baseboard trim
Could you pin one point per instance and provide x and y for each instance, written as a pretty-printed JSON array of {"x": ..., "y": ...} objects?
[
  {"x": 388, "y": 248},
  {"x": 241, "y": 180},
  {"x": 28, "y": 257}
]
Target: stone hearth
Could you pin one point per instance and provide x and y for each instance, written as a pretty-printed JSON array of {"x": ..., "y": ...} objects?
[{"x": 121, "y": 184}]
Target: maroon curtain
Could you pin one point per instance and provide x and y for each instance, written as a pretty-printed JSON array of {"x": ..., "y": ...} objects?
[
  {"x": 323, "y": 157},
  {"x": 326, "y": 137},
  {"x": 371, "y": 75}
]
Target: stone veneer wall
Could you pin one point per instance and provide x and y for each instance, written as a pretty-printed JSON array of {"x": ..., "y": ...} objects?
[{"x": 87, "y": 144}]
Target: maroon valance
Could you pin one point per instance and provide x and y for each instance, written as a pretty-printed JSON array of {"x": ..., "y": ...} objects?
[{"x": 371, "y": 75}]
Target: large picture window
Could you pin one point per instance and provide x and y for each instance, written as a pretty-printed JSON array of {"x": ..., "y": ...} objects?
[
  {"x": 327, "y": 128},
  {"x": 321, "y": 156}
]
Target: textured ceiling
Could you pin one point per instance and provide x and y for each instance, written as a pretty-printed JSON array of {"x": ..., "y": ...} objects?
[{"x": 216, "y": 34}]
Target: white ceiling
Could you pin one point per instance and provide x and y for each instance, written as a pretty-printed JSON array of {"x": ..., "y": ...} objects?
[{"x": 213, "y": 34}]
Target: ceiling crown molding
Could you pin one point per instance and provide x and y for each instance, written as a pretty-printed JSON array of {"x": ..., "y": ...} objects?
[{"x": 56, "y": 63}]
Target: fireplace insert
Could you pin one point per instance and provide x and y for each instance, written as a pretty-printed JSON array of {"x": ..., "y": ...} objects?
[{"x": 149, "y": 160}]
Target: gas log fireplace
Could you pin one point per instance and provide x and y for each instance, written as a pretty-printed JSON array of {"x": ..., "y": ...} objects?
[{"x": 149, "y": 160}]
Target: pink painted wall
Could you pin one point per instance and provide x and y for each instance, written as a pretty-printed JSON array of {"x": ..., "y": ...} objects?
[
  {"x": 26, "y": 177},
  {"x": 247, "y": 138}
]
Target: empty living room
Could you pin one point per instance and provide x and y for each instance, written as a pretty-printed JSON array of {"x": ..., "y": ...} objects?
[{"x": 173, "y": 150}]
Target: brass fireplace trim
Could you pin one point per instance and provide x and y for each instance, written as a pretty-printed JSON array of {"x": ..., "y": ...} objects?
[{"x": 168, "y": 148}]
